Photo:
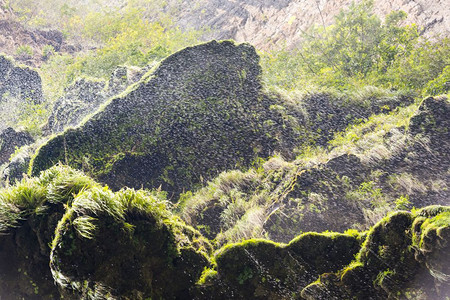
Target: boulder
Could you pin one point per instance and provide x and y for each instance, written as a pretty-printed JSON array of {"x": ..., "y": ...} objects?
[
  {"x": 63, "y": 235},
  {"x": 19, "y": 82},
  {"x": 398, "y": 259},
  {"x": 200, "y": 111},
  {"x": 10, "y": 140}
]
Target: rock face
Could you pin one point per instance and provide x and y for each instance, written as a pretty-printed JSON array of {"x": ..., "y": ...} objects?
[
  {"x": 260, "y": 269},
  {"x": 20, "y": 82},
  {"x": 271, "y": 23},
  {"x": 200, "y": 111},
  {"x": 398, "y": 257},
  {"x": 13, "y": 35},
  {"x": 86, "y": 95},
  {"x": 20, "y": 86}
]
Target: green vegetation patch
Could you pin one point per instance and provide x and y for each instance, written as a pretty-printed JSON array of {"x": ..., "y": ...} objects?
[{"x": 91, "y": 237}]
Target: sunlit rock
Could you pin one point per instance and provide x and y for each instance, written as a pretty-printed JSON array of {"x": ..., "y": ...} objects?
[
  {"x": 10, "y": 140},
  {"x": 19, "y": 82}
]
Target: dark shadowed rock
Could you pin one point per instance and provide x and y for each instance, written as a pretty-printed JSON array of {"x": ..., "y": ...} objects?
[
  {"x": 395, "y": 261},
  {"x": 65, "y": 236},
  {"x": 10, "y": 140},
  {"x": 124, "y": 244}
]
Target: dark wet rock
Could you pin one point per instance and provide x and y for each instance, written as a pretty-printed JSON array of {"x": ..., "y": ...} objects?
[
  {"x": 65, "y": 236},
  {"x": 28, "y": 219},
  {"x": 396, "y": 258},
  {"x": 327, "y": 115},
  {"x": 10, "y": 140},
  {"x": 140, "y": 252},
  {"x": 432, "y": 120},
  {"x": 200, "y": 111},
  {"x": 260, "y": 269},
  {"x": 17, "y": 168},
  {"x": 19, "y": 82},
  {"x": 81, "y": 98}
]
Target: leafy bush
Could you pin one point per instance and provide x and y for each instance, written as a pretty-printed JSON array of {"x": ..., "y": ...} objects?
[{"x": 360, "y": 49}]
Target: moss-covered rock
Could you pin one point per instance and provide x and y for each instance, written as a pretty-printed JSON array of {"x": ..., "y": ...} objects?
[
  {"x": 200, "y": 111},
  {"x": 64, "y": 235},
  {"x": 261, "y": 269},
  {"x": 125, "y": 245},
  {"x": 394, "y": 261},
  {"x": 64, "y": 228},
  {"x": 86, "y": 95},
  {"x": 372, "y": 168},
  {"x": 29, "y": 213}
]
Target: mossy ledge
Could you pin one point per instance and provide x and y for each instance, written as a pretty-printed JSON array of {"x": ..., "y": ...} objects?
[{"x": 62, "y": 227}]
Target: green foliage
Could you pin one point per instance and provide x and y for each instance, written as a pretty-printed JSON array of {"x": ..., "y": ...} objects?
[
  {"x": 47, "y": 51},
  {"x": 24, "y": 52},
  {"x": 439, "y": 85},
  {"x": 32, "y": 116},
  {"x": 402, "y": 202},
  {"x": 360, "y": 49},
  {"x": 122, "y": 36}
]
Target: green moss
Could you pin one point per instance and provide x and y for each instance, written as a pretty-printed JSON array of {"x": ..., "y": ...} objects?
[
  {"x": 390, "y": 262},
  {"x": 135, "y": 231},
  {"x": 259, "y": 268}
]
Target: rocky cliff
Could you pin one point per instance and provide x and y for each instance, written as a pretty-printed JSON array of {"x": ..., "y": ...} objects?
[
  {"x": 274, "y": 23},
  {"x": 201, "y": 111},
  {"x": 20, "y": 87}
]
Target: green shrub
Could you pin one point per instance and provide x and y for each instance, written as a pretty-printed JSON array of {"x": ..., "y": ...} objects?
[{"x": 24, "y": 52}]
